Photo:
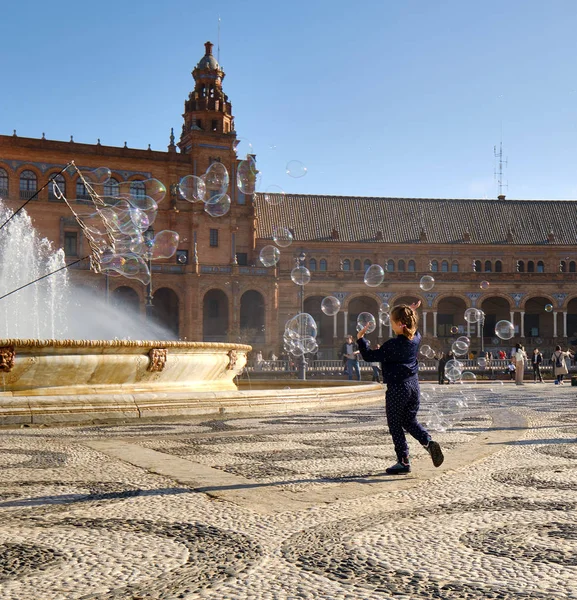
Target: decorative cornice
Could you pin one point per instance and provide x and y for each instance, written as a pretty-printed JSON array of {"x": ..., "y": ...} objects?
[{"x": 145, "y": 344}]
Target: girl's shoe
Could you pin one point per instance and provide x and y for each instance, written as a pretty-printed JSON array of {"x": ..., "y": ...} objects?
[
  {"x": 434, "y": 449},
  {"x": 399, "y": 469}
]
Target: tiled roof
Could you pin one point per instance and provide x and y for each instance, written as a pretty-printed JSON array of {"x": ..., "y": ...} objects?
[{"x": 419, "y": 220}]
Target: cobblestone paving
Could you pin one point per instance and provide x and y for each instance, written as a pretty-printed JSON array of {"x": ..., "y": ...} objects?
[{"x": 497, "y": 520}]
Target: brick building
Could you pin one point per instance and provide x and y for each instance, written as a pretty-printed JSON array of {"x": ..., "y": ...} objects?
[{"x": 216, "y": 290}]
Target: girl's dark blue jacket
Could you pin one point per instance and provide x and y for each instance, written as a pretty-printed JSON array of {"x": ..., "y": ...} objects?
[{"x": 398, "y": 357}]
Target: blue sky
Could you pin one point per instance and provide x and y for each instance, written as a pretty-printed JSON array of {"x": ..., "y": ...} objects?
[{"x": 390, "y": 98}]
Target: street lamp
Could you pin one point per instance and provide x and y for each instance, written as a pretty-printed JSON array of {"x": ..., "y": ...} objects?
[
  {"x": 149, "y": 242},
  {"x": 302, "y": 361}
]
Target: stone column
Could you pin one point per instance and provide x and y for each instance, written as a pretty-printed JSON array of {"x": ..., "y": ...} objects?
[
  {"x": 335, "y": 324},
  {"x": 513, "y": 318},
  {"x": 522, "y": 328},
  {"x": 468, "y": 329},
  {"x": 380, "y": 331},
  {"x": 424, "y": 323},
  {"x": 346, "y": 318},
  {"x": 554, "y": 324},
  {"x": 434, "y": 323},
  {"x": 564, "y": 323}
]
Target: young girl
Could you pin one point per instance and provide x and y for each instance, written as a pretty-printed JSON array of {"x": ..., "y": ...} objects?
[{"x": 398, "y": 358}]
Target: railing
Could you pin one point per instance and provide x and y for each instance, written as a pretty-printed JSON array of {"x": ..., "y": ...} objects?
[{"x": 27, "y": 194}]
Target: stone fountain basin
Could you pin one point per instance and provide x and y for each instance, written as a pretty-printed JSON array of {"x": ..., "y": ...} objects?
[{"x": 61, "y": 367}]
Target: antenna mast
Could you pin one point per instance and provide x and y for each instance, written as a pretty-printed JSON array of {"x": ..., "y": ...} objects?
[
  {"x": 218, "y": 43},
  {"x": 498, "y": 172}
]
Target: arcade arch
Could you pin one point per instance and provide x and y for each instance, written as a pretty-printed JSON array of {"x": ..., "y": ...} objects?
[
  {"x": 252, "y": 317},
  {"x": 166, "y": 307},
  {"x": 215, "y": 316}
]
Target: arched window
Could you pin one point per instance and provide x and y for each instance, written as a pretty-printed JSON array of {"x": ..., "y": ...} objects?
[
  {"x": 390, "y": 265},
  {"x": 138, "y": 189},
  {"x": 323, "y": 265},
  {"x": 498, "y": 266},
  {"x": 572, "y": 267},
  {"x": 55, "y": 192},
  {"x": 477, "y": 266},
  {"x": 111, "y": 188},
  {"x": 401, "y": 265},
  {"x": 540, "y": 267},
  {"x": 563, "y": 266},
  {"x": 530, "y": 266},
  {"x": 367, "y": 264},
  {"x": 357, "y": 264},
  {"x": 454, "y": 267},
  {"x": 434, "y": 266},
  {"x": 520, "y": 266},
  {"x": 81, "y": 193},
  {"x": 3, "y": 183},
  {"x": 488, "y": 266},
  {"x": 346, "y": 265},
  {"x": 412, "y": 266},
  {"x": 28, "y": 185},
  {"x": 445, "y": 266},
  {"x": 312, "y": 264}
]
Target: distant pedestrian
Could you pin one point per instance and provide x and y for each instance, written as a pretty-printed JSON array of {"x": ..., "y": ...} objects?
[
  {"x": 350, "y": 355},
  {"x": 558, "y": 359},
  {"x": 520, "y": 358},
  {"x": 376, "y": 366},
  {"x": 536, "y": 360},
  {"x": 441, "y": 368}
]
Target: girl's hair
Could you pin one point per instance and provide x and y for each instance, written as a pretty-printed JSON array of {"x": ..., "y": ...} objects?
[
  {"x": 557, "y": 348},
  {"x": 405, "y": 315}
]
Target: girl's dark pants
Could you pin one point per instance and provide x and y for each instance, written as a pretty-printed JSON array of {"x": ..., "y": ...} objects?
[
  {"x": 537, "y": 373},
  {"x": 402, "y": 405}
]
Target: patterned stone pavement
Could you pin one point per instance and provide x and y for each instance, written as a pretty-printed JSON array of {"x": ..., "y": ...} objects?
[{"x": 297, "y": 505}]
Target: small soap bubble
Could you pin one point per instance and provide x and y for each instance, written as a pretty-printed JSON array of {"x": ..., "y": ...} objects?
[
  {"x": 504, "y": 330},
  {"x": 384, "y": 318},
  {"x": 330, "y": 305},
  {"x": 269, "y": 256},
  {"x": 364, "y": 319},
  {"x": 465, "y": 339},
  {"x": 296, "y": 169},
  {"x": 472, "y": 315},
  {"x": 468, "y": 377},
  {"x": 244, "y": 149},
  {"x": 548, "y": 308},
  {"x": 247, "y": 176},
  {"x": 484, "y": 285},
  {"x": 192, "y": 188},
  {"x": 282, "y": 237},
  {"x": 274, "y": 195},
  {"x": 385, "y": 307},
  {"x": 424, "y": 349},
  {"x": 427, "y": 283},
  {"x": 454, "y": 329},
  {"x": 300, "y": 275},
  {"x": 374, "y": 276},
  {"x": 430, "y": 353},
  {"x": 459, "y": 348}
]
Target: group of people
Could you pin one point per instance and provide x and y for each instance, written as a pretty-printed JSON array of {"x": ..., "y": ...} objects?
[
  {"x": 559, "y": 364},
  {"x": 350, "y": 357}
]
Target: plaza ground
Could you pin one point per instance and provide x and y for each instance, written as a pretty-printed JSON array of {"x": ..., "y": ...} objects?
[{"x": 297, "y": 505}]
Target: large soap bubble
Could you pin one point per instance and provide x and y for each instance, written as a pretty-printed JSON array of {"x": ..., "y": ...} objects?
[
  {"x": 296, "y": 169},
  {"x": 274, "y": 195},
  {"x": 366, "y": 319},
  {"x": 247, "y": 176},
  {"x": 374, "y": 276},
  {"x": 504, "y": 330},
  {"x": 216, "y": 180},
  {"x": 96, "y": 176},
  {"x": 282, "y": 237},
  {"x": 472, "y": 315},
  {"x": 330, "y": 305},
  {"x": 192, "y": 188},
  {"x": 301, "y": 326},
  {"x": 300, "y": 275},
  {"x": 427, "y": 283},
  {"x": 165, "y": 244},
  {"x": 218, "y": 208},
  {"x": 269, "y": 256}
]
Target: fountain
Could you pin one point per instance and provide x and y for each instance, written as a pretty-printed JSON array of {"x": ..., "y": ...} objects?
[{"x": 46, "y": 377}]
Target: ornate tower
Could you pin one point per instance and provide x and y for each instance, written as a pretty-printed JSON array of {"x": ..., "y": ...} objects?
[{"x": 207, "y": 112}]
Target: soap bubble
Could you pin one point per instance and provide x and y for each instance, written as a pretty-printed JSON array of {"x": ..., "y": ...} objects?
[
  {"x": 274, "y": 195},
  {"x": 465, "y": 339},
  {"x": 427, "y": 283},
  {"x": 330, "y": 305},
  {"x": 548, "y": 308},
  {"x": 164, "y": 244},
  {"x": 430, "y": 353},
  {"x": 374, "y": 276},
  {"x": 482, "y": 362},
  {"x": 282, "y": 237},
  {"x": 216, "y": 180},
  {"x": 424, "y": 349},
  {"x": 136, "y": 189},
  {"x": 484, "y": 285},
  {"x": 384, "y": 318},
  {"x": 504, "y": 330},
  {"x": 468, "y": 377},
  {"x": 300, "y": 275},
  {"x": 192, "y": 188},
  {"x": 296, "y": 169},
  {"x": 454, "y": 329},
  {"x": 218, "y": 208},
  {"x": 472, "y": 315},
  {"x": 366, "y": 318},
  {"x": 301, "y": 326},
  {"x": 459, "y": 348},
  {"x": 244, "y": 148},
  {"x": 385, "y": 307},
  {"x": 96, "y": 176},
  {"x": 269, "y": 256},
  {"x": 247, "y": 176}
]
